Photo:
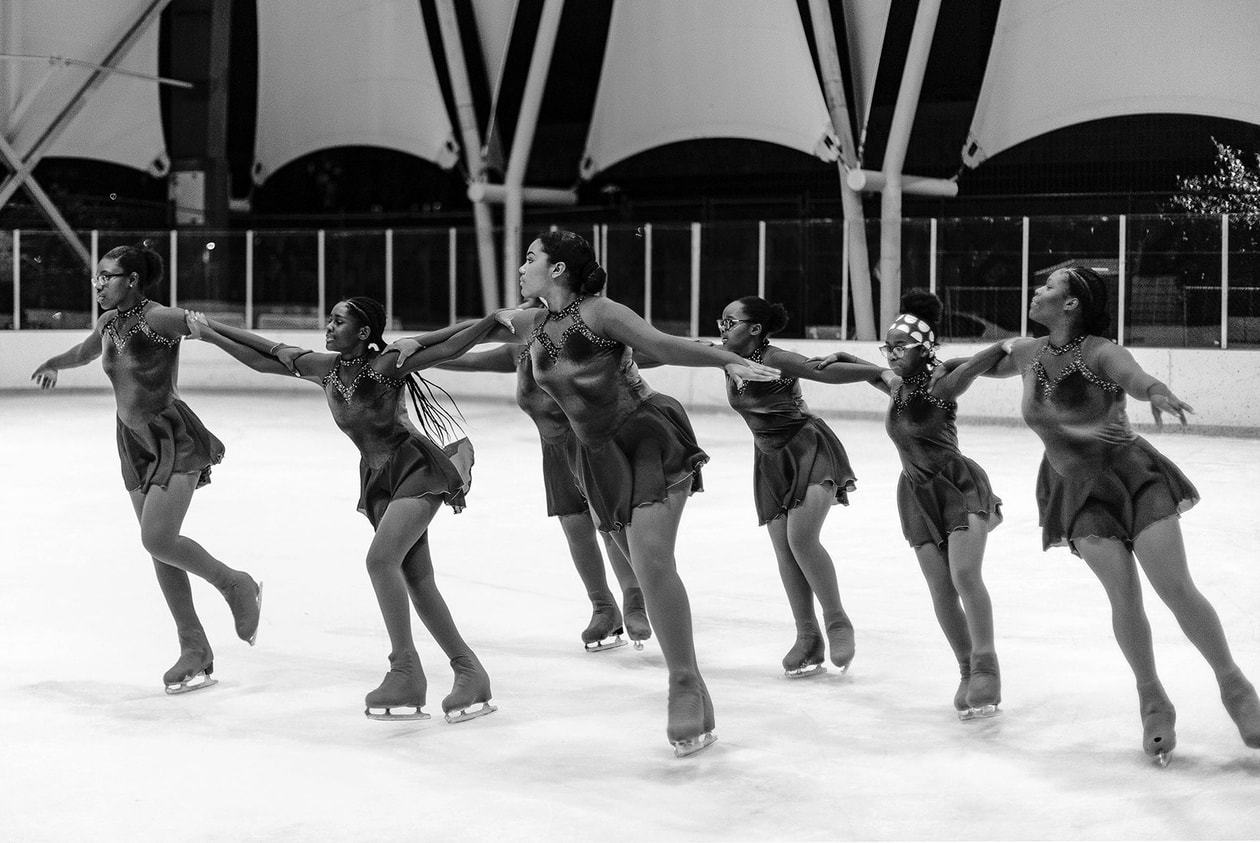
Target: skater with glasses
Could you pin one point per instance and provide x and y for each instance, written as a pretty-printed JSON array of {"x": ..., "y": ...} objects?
[
  {"x": 1109, "y": 496},
  {"x": 800, "y": 471},
  {"x": 404, "y": 476},
  {"x": 637, "y": 460},
  {"x": 165, "y": 450},
  {"x": 944, "y": 499}
]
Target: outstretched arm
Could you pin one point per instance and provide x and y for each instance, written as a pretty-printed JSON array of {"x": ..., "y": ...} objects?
[
  {"x": 795, "y": 365},
  {"x": 256, "y": 352},
  {"x": 962, "y": 372},
  {"x": 408, "y": 346},
  {"x": 83, "y": 353},
  {"x": 1117, "y": 364},
  {"x": 501, "y": 359},
  {"x": 446, "y": 349}
]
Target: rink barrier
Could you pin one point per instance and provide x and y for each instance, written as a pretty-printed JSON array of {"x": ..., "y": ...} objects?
[{"x": 1222, "y": 386}]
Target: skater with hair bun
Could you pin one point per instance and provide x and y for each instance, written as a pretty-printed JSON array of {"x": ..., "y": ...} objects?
[
  {"x": 165, "y": 450},
  {"x": 404, "y": 479},
  {"x": 637, "y": 460},
  {"x": 946, "y": 505},
  {"x": 800, "y": 470},
  {"x": 1109, "y": 496}
]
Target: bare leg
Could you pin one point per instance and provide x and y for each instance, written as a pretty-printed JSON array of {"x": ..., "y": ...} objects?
[
  {"x": 804, "y": 528},
  {"x": 949, "y": 614},
  {"x": 807, "y": 652},
  {"x": 966, "y": 555},
  {"x": 580, "y": 532}
]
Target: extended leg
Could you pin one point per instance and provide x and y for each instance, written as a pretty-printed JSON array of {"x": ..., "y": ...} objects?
[
  {"x": 966, "y": 554},
  {"x": 805, "y": 658},
  {"x": 950, "y": 616},
  {"x": 804, "y": 529},
  {"x": 604, "y": 630}
]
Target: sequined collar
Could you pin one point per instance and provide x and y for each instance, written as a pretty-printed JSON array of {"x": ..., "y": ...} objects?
[
  {"x": 757, "y": 356},
  {"x": 919, "y": 386},
  {"x": 577, "y": 326},
  {"x": 1077, "y": 366},
  {"x": 141, "y": 326},
  {"x": 347, "y": 391},
  {"x": 1071, "y": 345}
]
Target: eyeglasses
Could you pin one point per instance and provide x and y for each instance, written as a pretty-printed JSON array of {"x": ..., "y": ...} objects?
[
  {"x": 896, "y": 352},
  {"x": 102, "y": 278},
  {"x": 726, "y": 323}
]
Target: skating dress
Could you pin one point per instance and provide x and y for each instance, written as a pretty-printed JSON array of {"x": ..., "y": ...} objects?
[
  {"x": 939, "y": 487},
  {"x": 793, "y": 448},
  {"x": 158, "y": 435},
  {"x": 633, "y": 445},
  {"x": 559, "y": 444},
  {"x": 1097, "y": 477},
  {"x": 397, "y": 460}
]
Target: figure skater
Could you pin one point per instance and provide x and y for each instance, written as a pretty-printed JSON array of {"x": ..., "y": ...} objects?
[
  {"x": 800, "y": 470},
  {"x": 165, "y": 450},
  {"x": 404, "y": 479}
]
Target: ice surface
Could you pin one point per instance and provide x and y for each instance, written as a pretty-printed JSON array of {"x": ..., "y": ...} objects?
[{"x": 91, "y": 748}]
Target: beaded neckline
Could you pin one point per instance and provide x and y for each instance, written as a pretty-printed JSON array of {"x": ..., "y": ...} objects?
[
  {"x": 757, "y": 356},
  {"x": 919, "y": 387},
  {"x": 569, "y": 309},
  {"x": 1077, "y": 366},
  {"x": 352, "y": 361},
  {"x": 577, "y": 326},
  {"x": 141, "y": 326},
  {"x": 132, "y": 311},
  {"x": 347, "y": 390},
  {"x": 1070, "y": 345}
]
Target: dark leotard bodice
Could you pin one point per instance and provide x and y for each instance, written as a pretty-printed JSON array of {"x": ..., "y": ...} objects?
[
  {"x": 1079, "y": 415},
  {"x": 592, "y": 378},
  {"x": 371, "y": 410},
  {"x": 922, "y": 427},
  {"x": 773, "y": 410},
  {"x": 548, "y": 416},
  {"x": 142, "y": 365}
]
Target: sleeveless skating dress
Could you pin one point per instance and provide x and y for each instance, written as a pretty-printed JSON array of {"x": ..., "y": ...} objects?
[
  {"x": 397, "y": 460},
  {"x": 1097, "y": 477},
  {"x": 793, "y": 448},
  {"x": 939, "y": 487},
  {"x": 558, "y": 441},
  {"x": 158, "y": 435},
  {"x": 633, "y": 446}
]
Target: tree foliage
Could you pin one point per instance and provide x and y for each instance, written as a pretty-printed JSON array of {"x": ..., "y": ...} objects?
[{"x": 1234, "y": 188}]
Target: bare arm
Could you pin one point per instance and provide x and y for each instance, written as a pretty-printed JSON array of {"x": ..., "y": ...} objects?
[
  {"x": 965, "y": 370},
  {"x": 446, "y": 349},
  {"x": 256, "y": 352},
  {"x": 408, "y": 346},
  {"x": 795, "y": 365},
  {"x": 82, "y": 354},
  {"x": 1117, "y": 364},
  {"x": 501, "y": 359}
]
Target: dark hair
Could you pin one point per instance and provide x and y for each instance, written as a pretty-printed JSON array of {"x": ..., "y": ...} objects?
[
  {"x": 586, "y": 276},
  {"x": 923, "y": 304},
  {"x": 141, "y": 260},
  {"x": 435, "y": 420},
  {"x": 771, "y": 317},
  {"x": 1091, "y": 291}
]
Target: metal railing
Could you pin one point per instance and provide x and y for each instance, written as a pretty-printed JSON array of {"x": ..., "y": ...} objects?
[{"x": 1175, "y": 280}]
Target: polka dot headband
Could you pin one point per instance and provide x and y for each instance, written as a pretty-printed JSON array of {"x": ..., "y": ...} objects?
[{"x": 915, "y": 328}]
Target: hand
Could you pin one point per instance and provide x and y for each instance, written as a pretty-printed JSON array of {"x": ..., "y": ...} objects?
[
  {"x": 504, "y": 317},
  {"x": 891, "y": 379},
  {"x": 749, "y": 370},
  {"x": 405, "y": 348},
  {"x": 197, "y": 322},
  {"x": 1162, "y": 402},
  {"x": 707, "y": 343},
  {"x": 288, "y": 355},
  {"x": 1008, "y": 344},
  {"x": 937, "y": 373},
  {"x": 824, "y": 362},
  {"x": 45, "y": 376}
]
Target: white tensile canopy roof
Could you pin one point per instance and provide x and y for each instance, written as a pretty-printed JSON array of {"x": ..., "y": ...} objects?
[
  {"x": 865, "y": 21},
  {"x": 706, "y": 69},
  {"x": 336, "y": 73},
  {"x": 1056, "y": 64}
]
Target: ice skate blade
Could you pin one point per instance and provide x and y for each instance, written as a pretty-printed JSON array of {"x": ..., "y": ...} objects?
[
  {"x": 397, "y": 712},
  {"x": 1162, "y": 758},
  {"x": 461, "y": 715},
  {"x": 606, "y": 644},
  {"x": 196, "y": 683},
  {"x": 965, "y": 714},
  {"x": 638, "y": 645},
  {"x": 693, "y": 745},
  {"x": 982, "y": 712},
  {"x": 254, "y": 638},
  {"x": 806, "y": 671}
]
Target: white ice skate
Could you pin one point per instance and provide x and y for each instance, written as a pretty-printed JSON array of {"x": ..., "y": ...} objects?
[{"x": 197, "y": 682}]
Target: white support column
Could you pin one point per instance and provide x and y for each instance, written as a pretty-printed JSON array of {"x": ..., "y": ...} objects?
[
  {"x": 173, "y": 269},
  {"x": 95, "y": 240},
  {"x": 321, "y": 280},
  {"x": 603, "y": 245},
  {"x": 389, "y": 278},
  {"x": 647, "y": 273},
  {"x": 595, "y": 245},
  {"x": 17, "y": 279},
  {"x": 695, "y": 280},
  {"x": 1224, "y": 281},
  {"x": 1023, "y": 282},
  {"x": 249, "y": 280},
  {"x": 844, "y": 282},
  {"x": 761, "y": 259},
  {"x": 1121, "y": 281},
  {"x": 932, "y": 256},
  {"x": 452, "y": 275}
]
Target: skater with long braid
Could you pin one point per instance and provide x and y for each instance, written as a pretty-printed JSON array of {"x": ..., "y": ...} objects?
[
  {"x": 800, "y": 470},
  {"x": 637, "y": 460},
  {"x": 404, "y": 479},
  {"x": 946, "y": 504},
  {"x": 165, "y": 450},
  {"x": 1109, "y": 496},
  {"x": 565, "y": 502}
]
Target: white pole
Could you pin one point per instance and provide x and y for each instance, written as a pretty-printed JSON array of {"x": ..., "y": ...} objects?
[
  {"x": 389, "y": 278},
  {"x": 17, "y": 279},
  {"x": 761, "y": 258},
  {"x": 932, "y": 256},
  {"x": 1224, "y": 281},
  {"x": 96, "y": 256},
  {"x": 249, "y": 280},
  {"x": 603, "y": 245},
  {"x": 1121, "y": 298},
  {"x": 695, "y": 279},
  {"x": 844, "y": 282},
  {"x": 1023, "y": 282},
  {"x": 647, "y": 273},
  {"x": 174, "y": 269},
  {"x": 452, "y": 274},
  {"x": 321, "y": 303}
]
